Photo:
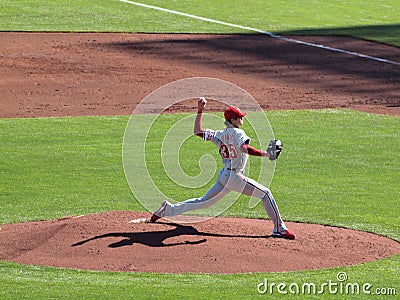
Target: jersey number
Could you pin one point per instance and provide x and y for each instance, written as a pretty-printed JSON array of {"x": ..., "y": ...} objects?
[{"x": 228, "y": 151}]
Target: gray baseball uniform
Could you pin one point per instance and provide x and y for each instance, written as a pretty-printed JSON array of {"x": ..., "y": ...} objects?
[{"x": 230, "y": 177}]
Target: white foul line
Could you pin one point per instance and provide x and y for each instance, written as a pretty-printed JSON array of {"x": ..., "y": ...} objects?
[{"x": 271, "y": 34}]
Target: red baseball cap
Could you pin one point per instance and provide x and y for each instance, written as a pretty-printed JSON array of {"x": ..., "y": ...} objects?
[{"x": 233, "y": 112}]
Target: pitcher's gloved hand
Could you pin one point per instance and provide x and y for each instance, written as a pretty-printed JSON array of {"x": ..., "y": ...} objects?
[{"x": 274, "y": 149}]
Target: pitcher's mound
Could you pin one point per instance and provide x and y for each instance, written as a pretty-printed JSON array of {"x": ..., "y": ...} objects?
[{"x": 122, "y": 241}]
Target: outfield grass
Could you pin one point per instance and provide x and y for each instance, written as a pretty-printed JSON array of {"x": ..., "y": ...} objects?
[
  {"x": 338, "y": 167},
  {"x": 51, "y": 166},
  {"x": 376, "y": 20}
]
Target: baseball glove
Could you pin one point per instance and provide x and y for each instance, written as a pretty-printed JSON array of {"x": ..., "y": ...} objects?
[{"x": 274, "y": 149}]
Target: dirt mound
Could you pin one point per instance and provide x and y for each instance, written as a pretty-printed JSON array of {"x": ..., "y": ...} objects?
[{"x": 110, "y": 242}]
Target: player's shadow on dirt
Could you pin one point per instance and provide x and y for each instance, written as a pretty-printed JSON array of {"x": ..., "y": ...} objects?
[{"x": 157, "y": 238}]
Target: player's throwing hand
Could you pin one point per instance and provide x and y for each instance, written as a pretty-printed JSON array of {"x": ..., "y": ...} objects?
[{"x": 201, "y": 104}]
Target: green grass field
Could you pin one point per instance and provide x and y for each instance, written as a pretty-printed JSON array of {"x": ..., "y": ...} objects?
[
  {"x": 54, "y": 167},
  {"x": 339, "y": 167}
]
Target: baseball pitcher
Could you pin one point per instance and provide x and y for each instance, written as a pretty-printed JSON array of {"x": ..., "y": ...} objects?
[{"x": 234, "y": 148}]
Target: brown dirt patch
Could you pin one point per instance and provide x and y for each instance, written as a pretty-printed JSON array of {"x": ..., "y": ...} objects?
[
  {"x": 221, "y": 245},
  {"x": 59, "y": 74},
  {"x": 62, "y": 74}
]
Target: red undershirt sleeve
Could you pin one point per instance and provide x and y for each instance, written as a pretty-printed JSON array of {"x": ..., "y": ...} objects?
[{"x": 253, "y": 151}]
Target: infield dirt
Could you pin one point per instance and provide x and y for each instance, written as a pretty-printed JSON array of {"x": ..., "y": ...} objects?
[{"x": 60, "y": 74}]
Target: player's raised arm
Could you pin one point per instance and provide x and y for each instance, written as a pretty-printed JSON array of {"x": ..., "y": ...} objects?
[{"x": 198, "y": 123}]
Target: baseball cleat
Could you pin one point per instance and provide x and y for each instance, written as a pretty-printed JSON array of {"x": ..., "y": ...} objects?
[
  {"x": 159, "y": 213},
  {"x": 286, "y": 234},
  {"x": 154, "y": 218}
]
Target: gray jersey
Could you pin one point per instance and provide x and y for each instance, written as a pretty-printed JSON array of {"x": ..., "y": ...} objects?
[{"x": 229, "y": 142}]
